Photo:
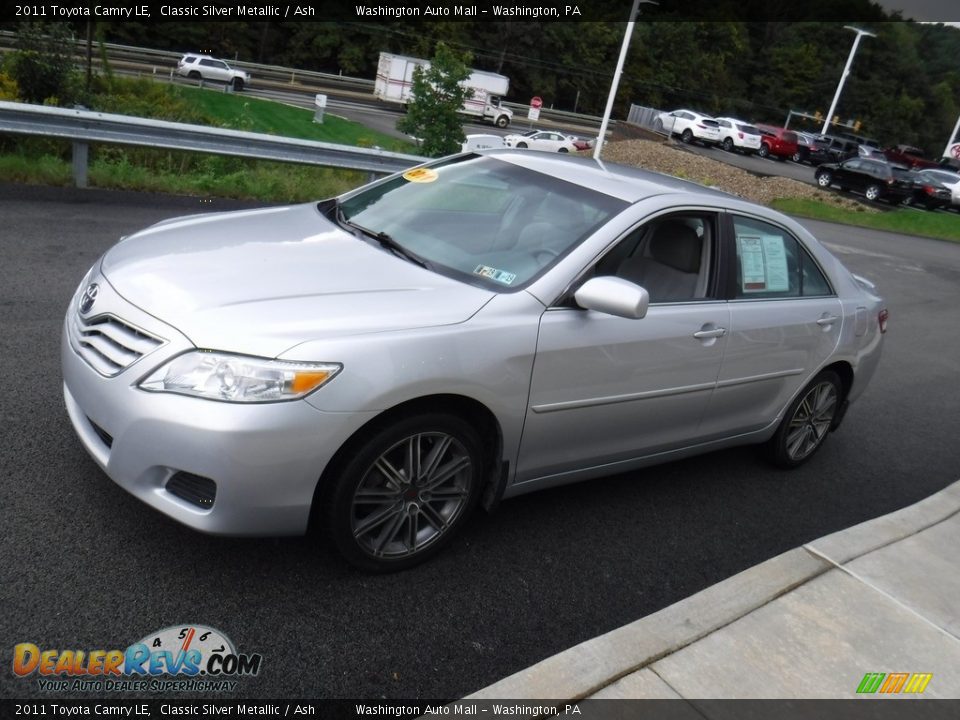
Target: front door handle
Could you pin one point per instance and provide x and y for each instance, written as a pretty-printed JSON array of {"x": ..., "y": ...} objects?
[
  {"x": 827, "y": 320},
  {"x": 714, "y": 333}
]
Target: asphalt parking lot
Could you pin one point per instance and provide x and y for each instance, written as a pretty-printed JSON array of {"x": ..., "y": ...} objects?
[{"x": 86, "y": 566}]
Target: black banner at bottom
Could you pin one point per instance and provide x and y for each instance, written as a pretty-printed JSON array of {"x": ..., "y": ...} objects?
[{"x": 856, "y": 709}]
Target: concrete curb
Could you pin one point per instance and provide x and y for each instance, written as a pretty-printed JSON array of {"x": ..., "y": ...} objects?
[{"x": 592, "y": 665}]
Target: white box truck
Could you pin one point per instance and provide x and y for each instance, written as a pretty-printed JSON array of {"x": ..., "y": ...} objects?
[{"x": 395, "y": 82}]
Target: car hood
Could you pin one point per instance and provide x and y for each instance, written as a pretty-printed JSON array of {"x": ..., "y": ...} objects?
[{"x": 262, "y": 281}]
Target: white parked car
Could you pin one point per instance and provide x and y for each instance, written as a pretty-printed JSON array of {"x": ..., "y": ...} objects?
[
  {"x": 689, "y": 125},
  {"x": 548, "y": 140},
  {"x": 205, "y": 67},
  {"x": 738, "y": 135}
]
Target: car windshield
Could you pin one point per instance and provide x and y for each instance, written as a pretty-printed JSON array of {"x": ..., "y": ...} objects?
[{"x": 480, "y": 219}]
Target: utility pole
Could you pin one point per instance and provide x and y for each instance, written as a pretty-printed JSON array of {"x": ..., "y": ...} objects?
[
  {"x": 616, "y": 75},
  {"x": 843, "y": 78}
]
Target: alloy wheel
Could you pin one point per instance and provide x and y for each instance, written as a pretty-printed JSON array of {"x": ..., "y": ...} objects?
[
  {"x": 411, "y": 495},
  {"x": 811, "y": 420}
]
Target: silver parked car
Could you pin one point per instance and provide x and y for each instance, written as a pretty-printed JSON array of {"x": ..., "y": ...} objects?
[{"x": 483, "y": 326}]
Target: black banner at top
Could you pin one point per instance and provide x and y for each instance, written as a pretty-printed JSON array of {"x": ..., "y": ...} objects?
[{"x": 381, "y": 11}]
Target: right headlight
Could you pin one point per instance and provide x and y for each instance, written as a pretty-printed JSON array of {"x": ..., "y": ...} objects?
[{"x": 238, "y": 378}]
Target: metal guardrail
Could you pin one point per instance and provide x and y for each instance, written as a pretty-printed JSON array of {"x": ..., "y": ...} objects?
[
  {"x": 83, "y": 127},
  {"x": 307, "y": 81}
]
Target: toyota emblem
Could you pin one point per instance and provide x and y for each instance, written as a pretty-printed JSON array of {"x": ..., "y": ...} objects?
[{"x": 89, "y": 297}]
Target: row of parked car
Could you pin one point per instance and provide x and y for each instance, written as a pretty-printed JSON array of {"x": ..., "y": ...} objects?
[{"x": 850, "y": 162}]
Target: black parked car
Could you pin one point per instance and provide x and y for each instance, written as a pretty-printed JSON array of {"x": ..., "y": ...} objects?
[
  {"x": 932, "y": 188},
  {"x": 875, "y": 179}
]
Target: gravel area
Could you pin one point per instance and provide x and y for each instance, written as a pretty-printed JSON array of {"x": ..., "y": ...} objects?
[{"x": 663, "y": 157}]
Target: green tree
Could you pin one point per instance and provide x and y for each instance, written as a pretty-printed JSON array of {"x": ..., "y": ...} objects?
[
  {"x": 437, "y": 97},
  {"x": 42, "y": 65}
]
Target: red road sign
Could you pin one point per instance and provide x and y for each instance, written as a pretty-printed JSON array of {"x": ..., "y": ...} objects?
[{"x": 536, "y": 102}]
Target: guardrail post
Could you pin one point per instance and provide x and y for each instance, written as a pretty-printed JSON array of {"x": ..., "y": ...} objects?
[{"x": 81, "y": 151}]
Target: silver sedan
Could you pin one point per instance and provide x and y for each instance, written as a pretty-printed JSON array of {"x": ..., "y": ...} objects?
[{"x": 378, "y": 364}]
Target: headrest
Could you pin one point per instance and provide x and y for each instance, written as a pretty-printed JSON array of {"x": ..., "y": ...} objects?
[{"x": 677, "y": 245}]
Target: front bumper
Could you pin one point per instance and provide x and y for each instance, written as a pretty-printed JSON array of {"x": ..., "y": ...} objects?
[{"x": 265, "y": 459}]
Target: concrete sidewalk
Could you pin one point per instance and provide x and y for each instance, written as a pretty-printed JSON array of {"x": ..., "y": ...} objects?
[{"x": 880, "y": 597}]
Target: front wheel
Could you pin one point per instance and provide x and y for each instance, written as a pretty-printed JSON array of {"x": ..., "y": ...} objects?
[
  {"x": 521, "y": 145},
  {"x": 872, "y": 192},
  {"x": 807, "y": 422},
  {"x": 405, "y": 492},
  {"x": 764, "y": 151},
  {"x": 502, "y": 121},
  {"x": 824, "y": 179},
  {"x": 238, "y": 84},
  {"x": 687, "y": 136},
  {"x": 797, "y": 157},
  {"x": 563, "y": 150},
  {"x": 728, "y": 144}
]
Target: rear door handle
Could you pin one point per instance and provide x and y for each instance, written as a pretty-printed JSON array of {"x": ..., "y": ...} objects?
[
  {"x": 705, "y": 334},
  {"x": 827, "y": 320}
]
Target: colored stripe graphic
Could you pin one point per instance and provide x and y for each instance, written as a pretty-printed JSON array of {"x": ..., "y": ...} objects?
[
  {"x": 893, "y": 683},
  {"x": 871, "y": 682},
  {"x": 918, "y": 682}
]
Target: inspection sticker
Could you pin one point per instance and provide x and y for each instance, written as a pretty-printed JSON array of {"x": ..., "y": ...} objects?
[
  {"x": 500, "y": 276},
  {"x": 420, "y": 175}
]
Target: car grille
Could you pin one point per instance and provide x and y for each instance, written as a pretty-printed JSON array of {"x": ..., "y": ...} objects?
[
  {"x": 195, "y": 489},
  {"x": 108, "y": 344}
]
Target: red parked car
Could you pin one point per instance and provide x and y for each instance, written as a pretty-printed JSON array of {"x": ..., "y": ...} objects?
[
  {"x": 777, "y": 142},
  {"x": 910, "y": 156}
]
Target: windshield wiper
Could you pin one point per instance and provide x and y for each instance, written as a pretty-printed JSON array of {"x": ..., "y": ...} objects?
[
  {"x": 331, "y": 209},
  {"x": 386, "y": 241}
]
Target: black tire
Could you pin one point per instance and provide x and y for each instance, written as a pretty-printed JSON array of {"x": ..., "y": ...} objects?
[
  {"x": 872, "y": 192},
  {"x": 238, "y": 84},
  {"x": 193, "y": 75},
  {"x": 502, "y": 121},
  {"x": 807, "y": 421},
  {"x": 824, "y": 178},
  {"x": 764, "y": 151},
  {"x": 687, "y": 136},
  {"x": 728, "y": 144},
  {"x": 397, "y": 523},
  {"x": 521, "y": 145},
  {"x": 563, "y": 150}
]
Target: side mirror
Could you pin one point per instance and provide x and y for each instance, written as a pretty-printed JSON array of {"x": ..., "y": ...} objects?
[{"x": 613, "y": 296}]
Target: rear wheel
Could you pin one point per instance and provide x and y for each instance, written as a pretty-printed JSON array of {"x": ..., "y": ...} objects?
[
  {"x": 728, "y": 144},
  {"x": 764, "y": 151},
  {"x": 405, "y": 492},
  {"x": 563, "y": 150},
  {"x": 687, "y": 136},
  {"x": 807, "y": 422},
  {"x": 824, "y": 178},
  {"x": 797, "y": 157},
  {"x": 872, "y": 192}
]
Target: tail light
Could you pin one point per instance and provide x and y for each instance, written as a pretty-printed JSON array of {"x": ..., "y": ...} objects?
[
  {"x": 928, "y": 189},
  {"x": 882, "y": 320},
  {"x": 740, "y": 135}
]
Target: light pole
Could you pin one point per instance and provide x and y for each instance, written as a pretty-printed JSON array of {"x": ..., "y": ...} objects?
[
  {"x": 846, "y": 71},
  {"x": 616, "y": 75}
]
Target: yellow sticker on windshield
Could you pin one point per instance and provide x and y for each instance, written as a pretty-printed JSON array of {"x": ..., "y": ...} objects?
[{"x": 420, "y": 175}]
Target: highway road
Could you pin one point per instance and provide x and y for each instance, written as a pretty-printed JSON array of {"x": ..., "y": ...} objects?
[{"x": 86, "y": 566}]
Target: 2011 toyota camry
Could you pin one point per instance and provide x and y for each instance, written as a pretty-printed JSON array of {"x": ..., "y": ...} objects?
[{"x": 378, "y": 364}]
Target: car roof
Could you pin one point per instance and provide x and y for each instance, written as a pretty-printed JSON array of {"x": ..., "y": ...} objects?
[{"x": 626, "y": 183}]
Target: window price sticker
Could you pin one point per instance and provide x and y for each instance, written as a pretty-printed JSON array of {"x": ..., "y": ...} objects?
[{"x": 763, "y": 263}]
